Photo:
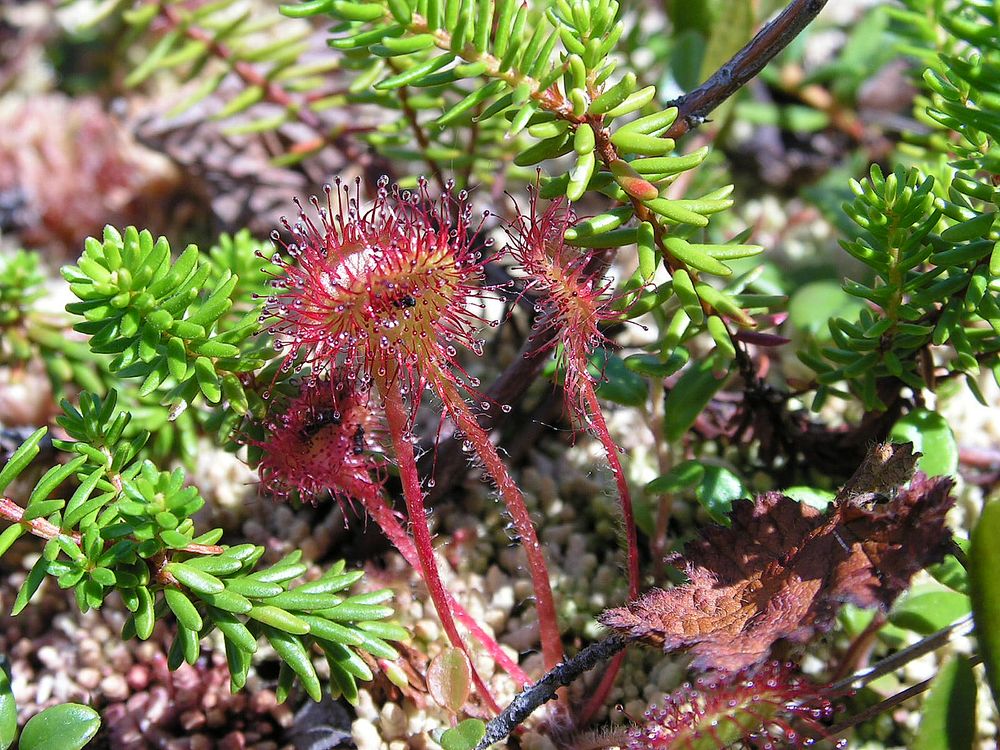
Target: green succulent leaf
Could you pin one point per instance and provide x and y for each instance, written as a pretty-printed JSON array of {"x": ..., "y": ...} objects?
[
  {"x": 8, "y": 709},
  {"x": 948, "y": 717},
  {"x": 984, "y": 562}
]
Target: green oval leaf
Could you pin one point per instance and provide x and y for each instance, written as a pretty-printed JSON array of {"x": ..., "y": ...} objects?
[
  {"x": 984, "y": 562},
  {"x": 948, "y": 720},
  {"x": 688, "y": 398},
  {"x": 717, "y": 490},
  {"x": 622, "y": 385},
  {"x": 811, "y": 496},
  {"x": 927, "y": 613},
  {"x": 950, "y": 572},
  {"x": 69, "y": 726},
  {"x": 8, "y": 710},
  {"x": 812, "y": 306},
  {"x": 932, "y": 436},
  {"x": 685, "y": 474},
  {"x": 465, "y": 736}
]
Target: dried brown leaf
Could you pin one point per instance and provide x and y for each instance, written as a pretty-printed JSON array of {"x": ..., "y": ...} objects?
[{"x": 782, "y": 569}]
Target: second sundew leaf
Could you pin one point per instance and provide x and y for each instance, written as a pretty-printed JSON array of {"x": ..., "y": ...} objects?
[
  {"x": 948, "y": 716},
  {"x": 449, "y": 679}
]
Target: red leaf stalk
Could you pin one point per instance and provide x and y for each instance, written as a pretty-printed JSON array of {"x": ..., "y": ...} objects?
[
  {"x": 326, "y": 441},
  {"x": 397, "y": 418},
  {"x": 548, "y": 621},
  {"x": 579, "y": 301},
  {"x": 380, "y": 511}
]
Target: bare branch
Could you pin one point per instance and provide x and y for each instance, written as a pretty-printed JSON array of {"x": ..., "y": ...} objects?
[
  {"x": 694, "y": 106},
  {"x": 545, "y": 689}
]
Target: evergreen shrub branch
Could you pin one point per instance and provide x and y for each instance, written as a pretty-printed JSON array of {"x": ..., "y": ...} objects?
[
  {"x": 929, "y": 234},
  {"x": 127, "y": 528}
]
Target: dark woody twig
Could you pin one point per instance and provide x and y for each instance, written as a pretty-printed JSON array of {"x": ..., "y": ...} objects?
[
  {"x": 694, "y": 106},
  {"x": 891, "y": 664},
  {"x": 545, "y": 689}
]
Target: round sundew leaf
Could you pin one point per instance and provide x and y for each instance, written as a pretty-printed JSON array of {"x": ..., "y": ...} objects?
[
  {"x": 927, "y": 613},
  {"x": 932, "y": 436},
  {"x": 948, "y": 717},
  {"x": 465, "y": 736},
  {"x": 69, "y": 726},
  {"x": 449, "y": 679},
  {"x": 811, "y": 307},
  {"x": 984, "y": 562}
]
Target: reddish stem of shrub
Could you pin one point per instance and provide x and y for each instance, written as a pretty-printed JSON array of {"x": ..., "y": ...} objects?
[
  {"x": 548, "y": 622},
  {"x": 397, "y": 418},
  {"x": 40, "y": 527},
  {"x": 379, "y": 510}
]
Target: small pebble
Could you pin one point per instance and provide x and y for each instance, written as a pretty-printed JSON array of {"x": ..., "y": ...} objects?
[
  {"x": 114, "y": 688},
  {"x": 365, "y": 735}
]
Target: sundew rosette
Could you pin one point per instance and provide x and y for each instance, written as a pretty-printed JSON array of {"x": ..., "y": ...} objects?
[
  {"x": 388, "y": 291},
  {"x": 326, "y": 440}
]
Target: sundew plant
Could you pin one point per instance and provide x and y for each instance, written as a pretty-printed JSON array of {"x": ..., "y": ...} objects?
[{"x": 744, "y": 291}]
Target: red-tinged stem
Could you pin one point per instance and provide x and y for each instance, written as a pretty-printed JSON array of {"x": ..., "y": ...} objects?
[
  {"x": 377, "y": 507},
  {"x": 43, "y": 529},
  {"x": 548, "y": 622},
  {"x": 398, "y": 419},
  {"x": 600, "y": 427}
]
